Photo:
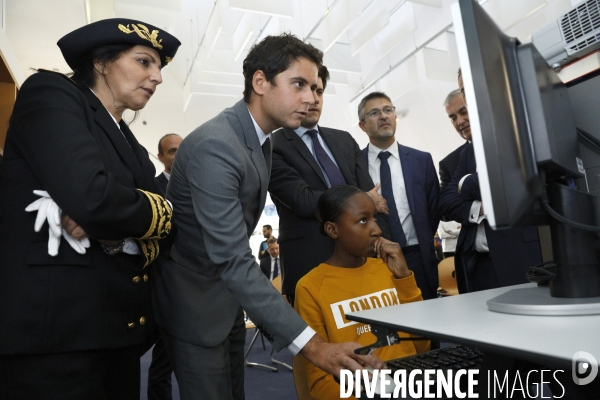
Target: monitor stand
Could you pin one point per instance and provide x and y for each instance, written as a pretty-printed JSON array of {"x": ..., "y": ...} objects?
[{"x": 576, "y": 288}]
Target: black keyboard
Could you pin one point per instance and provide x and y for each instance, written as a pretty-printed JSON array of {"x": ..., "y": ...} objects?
[{"x": 454, "y": 357}]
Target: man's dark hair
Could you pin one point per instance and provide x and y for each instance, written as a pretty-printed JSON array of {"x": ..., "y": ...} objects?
[
  {"x": 271, "y": 241},
  {"x": 269, "y": 227},
  {"x": 332, "y": 204},
  {"x": 324, "y": 75},
  {"x": 370, "y": 96},
  {"x": 275, "y": 54},
  {"x": 160, "y": 149},
  {"x": 83, "y": 73}
]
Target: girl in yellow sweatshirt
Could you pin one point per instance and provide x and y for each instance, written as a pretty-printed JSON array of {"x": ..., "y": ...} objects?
[{"x": 352, "y": 279}]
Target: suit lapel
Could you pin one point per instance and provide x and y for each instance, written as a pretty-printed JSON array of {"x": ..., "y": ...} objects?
[
  {"x": 407, "y": 173},
  {"x": 338, "y": 154},
  {"x": 304, "y": 152},
  {"x": 107, "y": 124},
  {"x": 248, "y": 135}
]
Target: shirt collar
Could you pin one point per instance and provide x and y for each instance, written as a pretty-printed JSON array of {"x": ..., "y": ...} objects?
[
  {"x": 259, "y": 132},
  {"x": 393, "y": 149},
  {"x": 168, "y": 175},
  {"x": 302, "y": 130}
]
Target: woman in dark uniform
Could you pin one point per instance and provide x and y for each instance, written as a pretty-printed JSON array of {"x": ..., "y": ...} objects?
[{"x": 75, "y": 304}]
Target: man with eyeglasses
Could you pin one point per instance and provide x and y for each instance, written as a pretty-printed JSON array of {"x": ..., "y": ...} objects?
[{"x": 410, "y": 186}]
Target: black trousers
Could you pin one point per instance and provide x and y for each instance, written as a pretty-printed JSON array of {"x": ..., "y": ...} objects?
[
  {"x": 159, "y": 374},
  {"x": 412, "y": 254},
  {"x": 91, "y": 375},
  {"x": 209, "y": 373}
]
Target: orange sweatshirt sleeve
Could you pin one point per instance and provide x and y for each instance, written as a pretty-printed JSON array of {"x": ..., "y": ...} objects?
[{"x": 409, "y": 292}]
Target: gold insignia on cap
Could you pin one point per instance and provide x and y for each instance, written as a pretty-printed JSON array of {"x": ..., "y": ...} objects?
[
  {"x": 168, "y": 59},
  {"x": 144, "y": 33}
]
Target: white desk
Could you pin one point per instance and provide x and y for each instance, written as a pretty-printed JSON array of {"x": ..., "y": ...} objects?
[{"x": 465, "y": 319}]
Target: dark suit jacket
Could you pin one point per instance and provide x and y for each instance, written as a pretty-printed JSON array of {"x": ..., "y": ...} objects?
[
  {"x": 448, "y": 166},
  {"x": 161, "y": 182},
  {"x": 218, "y": 186},
  {"x": 512, "y": 251},
  {"x": 265, "y": 266},
  {"x": 62, "y": 140},
  {"x": 422, "y": 190},
  {"x": 296, "y": 185}
]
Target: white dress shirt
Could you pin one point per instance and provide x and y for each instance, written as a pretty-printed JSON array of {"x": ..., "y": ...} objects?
[
  {"x": 297, "y": 344},
  {"x": 398, "y": 188}
]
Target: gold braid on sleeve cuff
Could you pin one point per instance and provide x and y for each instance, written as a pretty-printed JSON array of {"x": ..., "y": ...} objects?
[
  {"x": 150, "y": 250},
  {"x": 161, "y": 217}
]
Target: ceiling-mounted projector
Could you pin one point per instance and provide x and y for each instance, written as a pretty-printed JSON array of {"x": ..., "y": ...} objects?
[{"x": 571, "y": 36}]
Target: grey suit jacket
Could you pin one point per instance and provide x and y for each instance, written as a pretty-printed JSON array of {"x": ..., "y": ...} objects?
[{"x": 218, "y": 188}]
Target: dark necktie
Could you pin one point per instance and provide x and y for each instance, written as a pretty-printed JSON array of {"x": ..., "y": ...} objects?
[
  {"x": 276, "y": 268},
  {"x": 266, "y": 149},
  {"x": 385, "y": 176},
  {"x": 331, "y": 170}
]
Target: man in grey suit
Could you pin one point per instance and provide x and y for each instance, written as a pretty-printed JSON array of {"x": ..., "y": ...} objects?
[{"x": 218, "y": 188}]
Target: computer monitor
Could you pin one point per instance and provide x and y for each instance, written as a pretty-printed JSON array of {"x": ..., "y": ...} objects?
[{"x": 527, "y": 151}]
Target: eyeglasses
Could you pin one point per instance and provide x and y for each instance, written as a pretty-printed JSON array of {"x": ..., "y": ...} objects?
[{"x": 374, "y": 114}]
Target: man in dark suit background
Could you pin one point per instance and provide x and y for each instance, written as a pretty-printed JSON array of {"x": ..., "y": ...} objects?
[
  {"x": 218, "y": 186},
  {"x": 167, "y": 147},
  {"x": 459, "y": 116},
  {"x": 410, "y": 186},
  {"x": 306, "y": 162},
  {"x": 484, "y": 258},
  {"x": 270, "y": 265},
  {"x": 263, "y": 248},
  {"x": 159, "y": 373}
]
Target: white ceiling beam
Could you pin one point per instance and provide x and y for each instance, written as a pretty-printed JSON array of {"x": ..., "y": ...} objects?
[
  {"x": 219, "y": 78},
  {"x": 431, "y": 3},
  {"x": 336, "y": 22},
  {"x": 278, "y": 8},
  {"x": 439, "y": 66},
  {"x": 338, "y": 58},
  {"x": 212, "y": 32},
  {"x": 374, "y": 18},
  {"x": 208, "y": 89},
  {"x": 242, "y": 34},
  {"x": 505, "y": 17},
  {"x": 401, "y": 25}
]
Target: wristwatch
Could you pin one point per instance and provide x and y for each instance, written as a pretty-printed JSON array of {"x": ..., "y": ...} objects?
[{"x": 113, "y": 250}]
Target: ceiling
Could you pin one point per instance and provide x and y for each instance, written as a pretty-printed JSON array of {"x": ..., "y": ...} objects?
[{"x": 402, "y": 47}]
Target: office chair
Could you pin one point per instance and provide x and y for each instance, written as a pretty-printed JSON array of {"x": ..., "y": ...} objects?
[
  {"x": 447, "y": 278},
  {"x": 277, "y": 284}
]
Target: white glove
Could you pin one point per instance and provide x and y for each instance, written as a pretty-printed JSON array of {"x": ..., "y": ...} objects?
[{"x": 49, "y": 211}]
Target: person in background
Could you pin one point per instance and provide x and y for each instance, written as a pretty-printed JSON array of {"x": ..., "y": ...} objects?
[
  {"x": 459, "y": 117},
  {"x": 167, "y": 148},
  {"x": 83, "y": 221},
  {"x": 270, "y": 266},
  {"x": 485, "y": 258},
  {"x": 307, "y": 161},
  {"x": 364, "y": 268},
  {"x": 410, "y": 186},
  {"x": 262, "y": 249}
]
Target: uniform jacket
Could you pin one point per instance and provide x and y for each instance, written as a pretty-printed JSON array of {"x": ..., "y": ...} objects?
[
  {"x": 422, "y": 190},
  {"x": 218, "y": 187},
  {"x": 296, "y": 184},
  {"x": 62, "y": 140},
  {"x": 512, "y": 251}
]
